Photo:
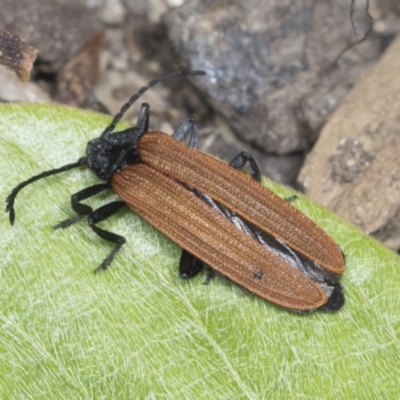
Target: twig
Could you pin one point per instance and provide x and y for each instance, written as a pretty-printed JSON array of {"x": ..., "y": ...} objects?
[{"x": 16, "y": 55}]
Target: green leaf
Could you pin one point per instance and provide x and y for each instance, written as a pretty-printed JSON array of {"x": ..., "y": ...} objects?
[{"x": 139, "y": 332}]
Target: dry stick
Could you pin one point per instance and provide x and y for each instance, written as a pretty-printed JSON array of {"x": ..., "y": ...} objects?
[{"x": 16, "y": 55}]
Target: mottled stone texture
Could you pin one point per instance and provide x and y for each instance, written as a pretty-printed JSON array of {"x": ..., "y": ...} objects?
[
  {"x": 354, "y": 168},
  {"x": 58, "y": 28},
  {"x": 270, "y": 63}
]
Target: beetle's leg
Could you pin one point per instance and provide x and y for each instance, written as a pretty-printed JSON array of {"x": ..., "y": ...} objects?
[
  {"x": 189, "y": 265},
  {"x": 240, "y": 161},
  {"x": 132, "y": 134},
  {"x": 82, "y": 210},
  {"x": 142, "y": 123},
  {"x": 210, "y": 275},
  {"x": 188, "y": 126},
  {"x": 99, "y": 215},
  {"x": 291, "y": 198}
]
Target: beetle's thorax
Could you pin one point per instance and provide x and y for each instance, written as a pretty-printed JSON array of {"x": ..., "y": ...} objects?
[{"x": 113, "y": 152}]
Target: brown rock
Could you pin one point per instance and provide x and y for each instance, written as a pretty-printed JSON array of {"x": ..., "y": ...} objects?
[{"x": 354, "y": 168}]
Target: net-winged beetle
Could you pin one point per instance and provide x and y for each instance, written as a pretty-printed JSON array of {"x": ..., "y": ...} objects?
[{"x": 219, "y": 216}]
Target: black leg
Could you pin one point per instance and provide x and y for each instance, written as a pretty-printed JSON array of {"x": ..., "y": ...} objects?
[
  {"x": 82, "y": 209},
  {"x": 142, "y": 123},
  {"x": 239, "y": 162},
  {"x": 189, "y": 265},
  {"x": 241, "y": 159},
  {"x": 188, "y": 126},
  {"x": 291, "y": 198},
  {"x": 210, "y": 275},
  {"x": 99, "y": 215}
]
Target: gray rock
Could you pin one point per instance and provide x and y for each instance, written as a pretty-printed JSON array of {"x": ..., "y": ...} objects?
[
  {"x": 58, "y": 28},
  {"x": 269, "y": 63}
]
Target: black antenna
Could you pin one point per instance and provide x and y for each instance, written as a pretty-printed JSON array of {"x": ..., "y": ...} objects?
[
  {"x": 363, "y": 38},
  {"x": 11, "y": 198},
  {"x": 144, "y": 89}
]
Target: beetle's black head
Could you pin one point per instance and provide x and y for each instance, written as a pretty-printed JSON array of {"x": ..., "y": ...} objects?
[{"x": 113, "y": 152}]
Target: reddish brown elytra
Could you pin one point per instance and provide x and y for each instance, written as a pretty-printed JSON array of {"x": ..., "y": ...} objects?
[{"x": 219, "y": 216}]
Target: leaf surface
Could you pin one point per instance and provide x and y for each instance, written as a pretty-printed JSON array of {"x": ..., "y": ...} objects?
[{"x": 138, "y": 331}]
